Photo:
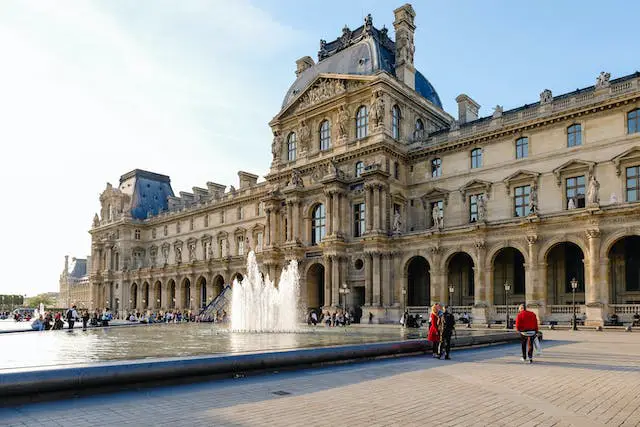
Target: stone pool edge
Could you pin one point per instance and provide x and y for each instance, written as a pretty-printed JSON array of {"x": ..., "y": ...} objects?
[{"x": 29, "y": 381}]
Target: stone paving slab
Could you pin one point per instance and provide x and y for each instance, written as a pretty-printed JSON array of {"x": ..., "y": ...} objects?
[{"x": 582, "y": 379}]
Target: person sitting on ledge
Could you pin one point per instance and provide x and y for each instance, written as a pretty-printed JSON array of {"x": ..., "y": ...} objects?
[{"x": 636, "y": 319}]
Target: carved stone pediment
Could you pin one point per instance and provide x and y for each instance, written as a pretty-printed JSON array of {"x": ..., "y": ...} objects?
[
  {"x": 206, "y": 238},
  {"x": 628, "y": 156},
  {"x": 436, "y": 194},
  {"x": 221, "y": 235},
  {"x": 475, "y": 185},
  {"x": 573, "y": 166},
  {"x": 239, "y": 231},
  {"x": 520, "y": 177}
]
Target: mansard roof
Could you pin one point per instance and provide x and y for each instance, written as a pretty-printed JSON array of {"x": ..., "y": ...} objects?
[
  {"x": 364, "y": 51},
  {"x": 149, "y": 192}
]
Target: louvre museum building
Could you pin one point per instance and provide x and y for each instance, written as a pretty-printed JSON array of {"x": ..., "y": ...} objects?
[{"x": 389, "y": 203}]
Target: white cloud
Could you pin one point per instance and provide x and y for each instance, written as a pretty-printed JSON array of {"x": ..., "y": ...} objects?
[{"x": 90, "y": 90}]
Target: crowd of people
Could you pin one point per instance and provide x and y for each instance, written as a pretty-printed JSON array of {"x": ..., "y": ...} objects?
[{"x": 339, "y": 317}]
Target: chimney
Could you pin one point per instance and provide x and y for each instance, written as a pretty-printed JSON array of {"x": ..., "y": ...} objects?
[
  {"x": 304, "y": 63},
  {"x": 467, "y": 109},
  {"x": 215, "y": 190},
  {"x": 66, "y": 263},
  {"x": 247, "y": 179},
  {"x": 405, "y": 29}
]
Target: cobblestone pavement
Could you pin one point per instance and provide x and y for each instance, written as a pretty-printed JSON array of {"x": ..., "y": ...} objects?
[{"x": 582, "y": 379}]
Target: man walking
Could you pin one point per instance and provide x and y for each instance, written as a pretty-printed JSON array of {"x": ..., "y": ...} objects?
[
  {"x": 72, "y": 315},
  {"x": 527, "y": 325},
  {"x": 448, "y": 322}
]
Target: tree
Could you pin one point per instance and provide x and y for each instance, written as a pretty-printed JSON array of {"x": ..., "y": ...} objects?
[
  {"x": 35, "y": 301},
  {"x": 9, "y": 302}
]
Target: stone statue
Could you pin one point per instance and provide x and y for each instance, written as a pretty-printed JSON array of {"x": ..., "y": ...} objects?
[
  {"x": 96, "y": 220},
  {"x": 571, "y": 204},
  {"x": 276, "y": 146},
  {"x": 178, "y": 254},
  {"x": 592, "y": 191},
  {"x": 397, "y": 223},
  {"x": 335, "y": 170},
  {"x": 497, "y": 112},
  {"x": 343, "y": 122},
  {"x": 603, "y": 80},
  {"x": 226, "y": 248},
  {"x": 437, "y": 217},
  {"x": 165, "y": 254},
  {"x": 546, "y": 96},
  {"x": 296, "y": 178},
  {"x": 482, "y": 208},
  {"x": 303, "y": 135},
  {"x": 533, "y": 200},
  {"x": 192, "y": 252},
  {"x": 377, "y": 110},
  {"x": 232, "y": 190}
]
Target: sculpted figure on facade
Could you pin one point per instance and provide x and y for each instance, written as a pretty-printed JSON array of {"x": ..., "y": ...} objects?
[
  {"x": 335, "y": 170},
  {"x": 276, "y": 146},
  {"x": 546, "y": 96},
  {"x": 482, "y": 208},
  {"x": 533, "y": 200},
  {"x": 96, "y": 220},
  {"x": 397, "y": 222},
  {"x": 192, "y": 251},
  {"x": 571, "y": 204},
  {"x": 304, "y": 134},
  {"x": 227, "y": 252},
  {"x": 178, "y": 251},
  {"x": 437, "y": 216},
  {"x": 377, "y": 110},
  {"x": 603, "y": 80},
  {"x": 165, "y": 254},
  {"x": 592, "y": 191},
  {"x": 325, "y": 89},
  {"x": 343, "y": 122},
  {"x": 497, "y": 111},
  {"x": 296, "y": 178}
]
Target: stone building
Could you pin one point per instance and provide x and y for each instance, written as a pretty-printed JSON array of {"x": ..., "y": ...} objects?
[
  {"x": 373, "y": 187},
  {"x": 73, "y": 284}
]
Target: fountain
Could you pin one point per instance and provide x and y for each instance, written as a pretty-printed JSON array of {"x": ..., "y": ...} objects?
[{"x": 257, "y": 305}]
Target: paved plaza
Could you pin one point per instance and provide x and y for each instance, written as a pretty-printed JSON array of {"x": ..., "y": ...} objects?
[{"x": 582, "y": 379}]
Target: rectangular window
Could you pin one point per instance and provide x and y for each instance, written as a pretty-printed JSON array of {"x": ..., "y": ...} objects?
[
  {"x": 476, "y": 158},
  {"x": 206, "y": 221},
  {"x": 358, "y": 220},
  {"x": 221, "y": 217},
  {"x": 436, "y": 168},
  {"x": 521, "y": 200},
  {"x": 191, "y": 224},
  {"x": 473, "y": 207},
  {"x": 440, "y": 211},
  {"x": 522, "y": 148},
  {"x": 166, "y": 230},
  {"x": 178, "y": 227},
  {"x": 153, "y": 233},
  {"x": 240, "y": 245},
  {"x": 574, "y": 135},
  {"x": 633, "y": 121},
  {"x": 396, "y": 170},
  {"x": 575, "y": 192},
  {"x": 633, "y": 184},
  {"x": 137, "y": 234}
]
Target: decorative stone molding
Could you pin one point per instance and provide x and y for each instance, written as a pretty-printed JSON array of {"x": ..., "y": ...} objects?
[
  {"x": 592, "y": 233},
  {"x": 436, "y": 194},
  {"x": 532, "y": 239},
  {"x": 520, "y": 177},
  {"x": 574, "y": 166},
  {"x": 631, "y": 155},
  {"x": 473, "y": 186}
]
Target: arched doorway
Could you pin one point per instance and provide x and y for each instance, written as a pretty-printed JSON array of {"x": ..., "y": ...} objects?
[
  {"x": 201, "y": 285},
  {"x": 418, "y": 282},
  {"x": 460, "y": 275},
  {"x": 172, "y": 293},
  {"x": 508, "y": 268},
  {"x": 133, "y": 296},
  {"x": 315, "y": 286},
  {"x": 565, "y": 262},
  {"x": 624, "y": 271},
  {"x": 218, "y": 285},
  {"x": 186, "y": 294},
  {"x": 145, "y": 295},
  {"x": 238, "y": 277},
  {"x": 157, "y": 292}
]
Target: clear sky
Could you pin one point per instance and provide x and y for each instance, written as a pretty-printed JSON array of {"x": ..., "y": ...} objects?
[{"x": 92, "y": 89}]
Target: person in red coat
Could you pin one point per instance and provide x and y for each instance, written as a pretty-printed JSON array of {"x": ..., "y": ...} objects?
[
  {"x": 527, "y": 325},
  {"x": 434, "y": 330}
]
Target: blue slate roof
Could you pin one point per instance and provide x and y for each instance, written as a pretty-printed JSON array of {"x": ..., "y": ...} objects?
[
  {"x": 364, "y": 51},
  {"x": 150, "y": 193},
  {"x": 78, "y": 268}
]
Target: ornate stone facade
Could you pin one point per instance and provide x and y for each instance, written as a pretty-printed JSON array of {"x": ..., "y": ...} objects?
[{"x": 531, "y": 197}]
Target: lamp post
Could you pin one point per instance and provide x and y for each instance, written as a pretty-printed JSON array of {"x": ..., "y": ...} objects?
[
  {"x": 507, "y": 288},
  {"x": 451, "y": 290},
  {"x": 344, "y": 291},
  {"x": 574, "y": 287},
  {"x": 404, "y": 300}
]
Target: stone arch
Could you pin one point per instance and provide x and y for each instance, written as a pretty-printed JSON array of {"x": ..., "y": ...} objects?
[
  {"x": 201, "y": 292},
  {"x": 237, "y": 275},
  {"x": 171, "y": 293},
  {"x": 218, "y": 285},
  {"x": 494, "y": 250},
  {"x": 460, "y": 267},
  {"x": 418, "y": 282},
  {"x": 404, "y": 261},
  {"x": 187, "y": 296},
  {"x": 450, "y": 252},
  {"x": 314, "y": 276},
  {"x": 565, "y": 260},
  {"x": 145, "y": 295},
  {"x": 133, "y": 296},
  {"x": 613, "y": 238},
  {"x": 157, "y": 292},
  {"x": 549, "y": 244},
  {"x": 623, "y": 270},
  {"x": 508, "y": 266}
]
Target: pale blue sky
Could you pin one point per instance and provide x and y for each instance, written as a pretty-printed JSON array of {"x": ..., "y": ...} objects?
[{"x": 90, "y": 90}]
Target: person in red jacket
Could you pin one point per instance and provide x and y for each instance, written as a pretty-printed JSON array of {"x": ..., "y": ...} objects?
[
  {"x": 434, "y": 330},
  {"x": 527, "y": 325}
]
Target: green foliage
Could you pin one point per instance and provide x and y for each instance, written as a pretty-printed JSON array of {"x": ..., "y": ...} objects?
[
  {"x": 34, "y": 302},
  {"x": 8, "y": 302}
]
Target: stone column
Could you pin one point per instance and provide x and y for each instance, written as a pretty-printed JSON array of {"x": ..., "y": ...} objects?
[
  {"x": 267, "y": 229},
  {"x": 377, "y": 290},
  {"x": 328, "y": 266},
  {"x": 376, "y": 207},
  {"x": 483, "y": 286},
  {"x": 593, "y": 295},
  {"x": 368, "y": 203},
  {"x": 605, "y": 286},
  {"x": 383, "y": 209},
  {"x": 109, "y": 253},
  {"x": 179, "y": 293},
  {"x": 535, "y": 289},
  {"x": 368, "y": 285},
  {"x": 335, "y": 282},
  {"x": 329, "y": 212},
  {"x": 295, "y": 221},
  {"x": 335, "y": 204},
  {"x": 387, "y": 279}
]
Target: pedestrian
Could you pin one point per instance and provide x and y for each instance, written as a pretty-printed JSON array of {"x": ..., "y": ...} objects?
[
  {"x": 370, "y": 318},
  {"x": 527, "y": 325},
  {"x": 447, "y": 322},
  {"x": 434, "y": 334},
  {"x": 72, "y": 315},
  {"x": 85, "y": 319}
]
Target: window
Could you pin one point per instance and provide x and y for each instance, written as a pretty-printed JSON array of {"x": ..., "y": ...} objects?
[
  {"x": 206, "y": 220},
  {"x": 476, "y": 158},
  {"x": 633, "y": 184},
  {"x": 473, "y": 207},
  {"x": 395, "y": 122},
  {"x": 521, "y": 200},
  {"x": 522, "y": 148},
  {"x": 153, "y": 233},
  {"x": 358, "y": 220},
  {"x": 191, "y": 224},
  {"x": 436, "y": 167},
  {"x": 240, "y": 245},
  {"x": 440, "y": 210},
  {"x": 166, "y": 230},
  {"x": 362, "y": 122},
  {"x": 317, "y": 224},
  {"x": 396, "y": 170},
  {"x": 633, "y": 121},
  {"x": 575, "y": 191},
  {"x": 291, "y": 147},
  {"x": 419, "y": 130},
  {"x": 325, "y": 135},
  {"x": 221, "y": 217},
  {"x": 359, "y": 169},
  {"x": 137, "y": 234},
  {"x": 178, "y": 227},
  {"x": 574, "y": 135}
]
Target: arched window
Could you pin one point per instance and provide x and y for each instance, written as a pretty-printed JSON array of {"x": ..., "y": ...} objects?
[
  {"x": 522, "y": 147},
  {"x": 291, "y": 147},
  {"x": 574, "y": 135},
  {"x": 476, "y": 158},
  {"x": 325, "y": 135},
  {"x": 436, "y": 167},
  {"x": 419, "y": 131},
  {"x": 395, "y": 122},
  {"x": 318, "y": 218},
  {"x": 362, "y": 122},
  {"x": 359, "y": 169},
  {"x": 633, "y": 121}
]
